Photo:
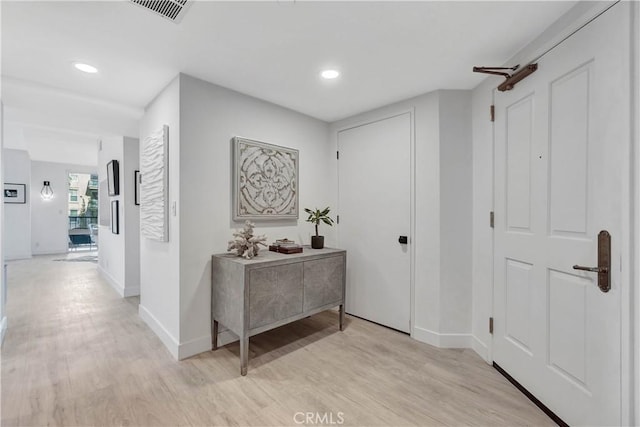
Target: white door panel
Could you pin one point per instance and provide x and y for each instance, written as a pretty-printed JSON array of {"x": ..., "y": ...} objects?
[
  {"x": 561, "y": 137},
  {"x": 374, "y": 207}
]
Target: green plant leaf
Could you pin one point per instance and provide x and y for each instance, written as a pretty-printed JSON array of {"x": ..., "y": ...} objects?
[{"x": 317, "y": 215}]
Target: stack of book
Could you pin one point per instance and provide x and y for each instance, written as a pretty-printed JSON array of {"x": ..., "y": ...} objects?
[{"x": 285, "y": 246}]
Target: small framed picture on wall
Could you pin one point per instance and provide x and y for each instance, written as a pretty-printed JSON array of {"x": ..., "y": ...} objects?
[
  {"x": 15, "y": 193},
  {"x": 115, "y": 223},
  {"x": 136, "y": 187},
  {"x": 113, "y": 177}
]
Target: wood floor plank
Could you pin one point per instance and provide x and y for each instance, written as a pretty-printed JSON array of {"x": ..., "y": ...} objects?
[{"x": 76, "y": 354}]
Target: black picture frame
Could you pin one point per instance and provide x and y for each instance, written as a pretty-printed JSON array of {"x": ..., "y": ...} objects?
[
  {"x": 15, "y": 193},
  {"x": 113, "y": 177},
  {"x": 115, "y": 217},
  {"x": 136, "y": 188}
]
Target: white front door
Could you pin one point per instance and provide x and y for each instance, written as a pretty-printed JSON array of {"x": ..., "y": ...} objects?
[
  {"x": 561, "y": 143},
  {"x": 374, "y": 173}
]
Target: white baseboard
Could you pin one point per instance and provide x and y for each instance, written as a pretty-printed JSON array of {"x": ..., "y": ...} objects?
[
  {"x": 179, "y": 351},
  {"x": 123, "y": 291},
  {"x": 481, "y": 348},
  {"x": 17, "y": 257},
  {"x": 193, "y": 347},
  {"x": 200, "y": 345},
  {"x": 425, "y": 336},
  {"x": 167, "y": 339},
  {"x": 442, "y": 340},
  {"x": 51, "y": 252},
  {"x": 112, "y": 281},
  {"x": 3, "y": 329},
  {"x": 131, "y": 291}
]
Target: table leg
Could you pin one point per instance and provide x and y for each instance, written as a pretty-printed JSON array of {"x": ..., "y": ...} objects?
[
  {"x": 341, "y": 317},
  {"x": 214, "y": 335},
  {"x": 244, "y": 355}
]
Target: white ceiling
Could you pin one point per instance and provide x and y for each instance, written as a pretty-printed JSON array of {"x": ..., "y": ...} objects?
[{"x": 386, "y": 51}]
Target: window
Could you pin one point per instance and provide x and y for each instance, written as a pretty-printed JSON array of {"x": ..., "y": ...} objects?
[
  {"x": 73, "y": 195},
  {"x": 73, "y": 212}
]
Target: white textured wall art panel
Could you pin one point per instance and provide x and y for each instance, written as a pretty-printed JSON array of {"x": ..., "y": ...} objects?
[{"x": 154, "y": 204}]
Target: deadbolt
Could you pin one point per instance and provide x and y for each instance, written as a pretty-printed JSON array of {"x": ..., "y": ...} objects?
[{"x": 403, "y": 240}]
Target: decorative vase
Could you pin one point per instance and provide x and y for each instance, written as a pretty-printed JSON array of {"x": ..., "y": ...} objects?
[{"x": 317, "y": 242}]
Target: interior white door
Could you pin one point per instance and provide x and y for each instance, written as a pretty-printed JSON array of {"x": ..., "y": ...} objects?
[
  {"x": 561, "y": 140},
  {"x": 374, "y": 173}
]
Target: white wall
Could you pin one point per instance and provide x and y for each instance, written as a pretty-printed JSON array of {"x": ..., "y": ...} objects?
[
  {"x": 39, "y": 108},
  {"x": 455, "y": 215},
  {"x": 3, "y": 284},
  {"x": 160, "y": 261},
  {"x": 440, "y": 273},
  {"x": 210, "y": 117},
  {"x": 49, "y": 145},
  {"x": 202, "y": 119},
  {"x": 17, "y": 236},
  {"x": 111, "y": 246},
  {"x": 119, "y": 254},
  {"x": 49, "y": 218},
  {"x": 131, "y": 223}
]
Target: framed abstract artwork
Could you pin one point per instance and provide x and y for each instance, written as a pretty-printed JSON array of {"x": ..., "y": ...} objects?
[
  {"x": 115, "y": 217},
  {"x": 265, "y": 181},
  {"x": 15, "y": 193},
  {"x": 136, "y": 188},
  {"x": 113, "y": 177}
]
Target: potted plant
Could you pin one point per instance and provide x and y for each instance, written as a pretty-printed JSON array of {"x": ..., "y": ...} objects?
[{"x": 317, "y": 241}]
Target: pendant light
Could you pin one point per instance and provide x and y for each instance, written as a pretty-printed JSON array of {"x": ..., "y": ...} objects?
[{"x": 46, "y": 192}]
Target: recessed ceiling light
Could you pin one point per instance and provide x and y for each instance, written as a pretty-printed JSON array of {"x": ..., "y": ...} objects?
[
  {"x": 85, "y": 67},
  {"x": 330, "y": 74}
]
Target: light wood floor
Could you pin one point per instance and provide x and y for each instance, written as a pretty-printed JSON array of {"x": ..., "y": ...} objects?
[{"x": 77, "y": 354}]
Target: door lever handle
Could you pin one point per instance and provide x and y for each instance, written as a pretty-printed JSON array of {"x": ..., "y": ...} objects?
[
  {"x": 604, "y": 262},
  {"x": 591, "y": 269}
]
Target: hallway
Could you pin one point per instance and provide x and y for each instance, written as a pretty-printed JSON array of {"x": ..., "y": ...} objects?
[{"x": 76, "y": 353}]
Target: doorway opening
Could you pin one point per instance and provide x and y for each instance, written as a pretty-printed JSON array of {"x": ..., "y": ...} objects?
[{"x": 83, "y": 211}]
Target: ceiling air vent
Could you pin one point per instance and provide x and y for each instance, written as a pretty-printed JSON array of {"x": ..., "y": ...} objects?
[{"x": 171, "y": 9}]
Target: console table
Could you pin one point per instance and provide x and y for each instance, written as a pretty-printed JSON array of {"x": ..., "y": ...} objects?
[{"x": 253, "y": 296}]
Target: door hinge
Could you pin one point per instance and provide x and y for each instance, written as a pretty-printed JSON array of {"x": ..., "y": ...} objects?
[
  {"x": 338, "y": 155},
  {"x": 338, "y": 219},
  {"x": 491, "y": 325},
  {"x": 492, "y": 111},
  {"x": 491, "y": 219}
]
